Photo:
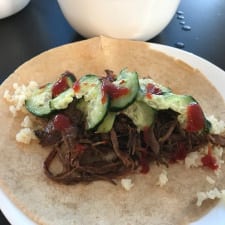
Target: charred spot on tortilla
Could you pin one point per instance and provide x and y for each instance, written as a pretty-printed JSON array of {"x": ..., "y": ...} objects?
[{"x": 103, "y": 128}]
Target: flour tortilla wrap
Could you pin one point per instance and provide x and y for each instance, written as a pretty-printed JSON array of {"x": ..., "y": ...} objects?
[{"x": 101, "y": 203}]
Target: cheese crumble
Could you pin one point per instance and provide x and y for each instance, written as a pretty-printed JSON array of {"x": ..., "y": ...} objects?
[
  {"x": 18, "y": 97},
  {"x": 210, "y": 180},
  {"x": 218, "y": 126},
  {"x": 25, "y": 135},
  {"x": 211, "y": 194},
  {"x": 17, "y": 101},
  {"x": 193, "y": 159},
  {"x": 163, "y": 178},
  {"x": 27, "y": 122},
  {"x": 127, "y": 184}
]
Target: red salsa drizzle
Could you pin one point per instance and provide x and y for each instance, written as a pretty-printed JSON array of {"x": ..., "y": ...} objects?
[
  {"x": 209, "y": 160},
  {"x": 179, "y": 154},
  {"x": 80, "y": 147},
  {"x": 144, "y": 162},
  {"x": 152, "y": 89},
  {"x": 76, "y": 86},
  {"x": 112, "y": 90},
  {"x": 61, "y": 122},
  {"x": 195, "y": 118},
  {"x": 60, "y": 86},
  {"x": 144, "y": 159},
  {"x": 146, "y": 135}
]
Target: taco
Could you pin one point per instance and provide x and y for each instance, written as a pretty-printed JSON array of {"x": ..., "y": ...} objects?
[{"x": 100, "y": 202}]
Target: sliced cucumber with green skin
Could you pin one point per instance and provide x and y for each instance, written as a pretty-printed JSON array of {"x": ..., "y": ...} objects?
[
  {"x": 70, "y": 78},
  {"x": 161, "y": 98},
  {"x": 154, "y": 88},
  {"x": 39, "y": 103},
  {"x": 164, "y": 98},
  {"x": 143, "y": 82},
  {"x": 62, "y": 100},
  {"x": 107, "y": 124},
  {"x": 128, "y": 80},
  {"x": 177, "y": 103},
  {"x": 66, "y": 95},
  {"x": 42, "y": 101},
  {"x": 65, "y": 81},
  {"x": 86, "y": 85},
  {"x": 141, "y": 114},
  {"x": 92, "y": 103}
]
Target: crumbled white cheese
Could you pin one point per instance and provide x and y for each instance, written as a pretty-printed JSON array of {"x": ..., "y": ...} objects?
[
  {"x": 218, "y": 153},
  {"x": 27, "y": 122},
  {"x": 210, "y": 180},
  {"x": 127, "y": 183},
  {"x": 18, "y": 97},
  {"x": 7, "y": 96},
  {"x": 211, "y": 194},
  {"x": 25, "y": 135},
  {"x": 13, "y": 110},
  {"x": 163, "y": 178},
  {"x": 218, "y": 126},
  {"x": 17, "y": 101},
  {"x": 192, "y": 160}
]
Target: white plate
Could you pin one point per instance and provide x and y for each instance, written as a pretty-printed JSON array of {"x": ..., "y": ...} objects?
[{"x": 214, "y": 74}]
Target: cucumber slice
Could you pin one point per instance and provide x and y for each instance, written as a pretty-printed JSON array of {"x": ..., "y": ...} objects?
[
  {"x": 128, "y": 80},
  {"x": 65, "y": 81},
  {"x": 92, "y": 103},
  {"x": 149, "y": 88},
  {"x": 62, "y": 100},
  {"x": 42, "y": 103},
  {"x": 143, "y": 82},
  {"x": 39, "y": 103},
  {"x": 141, "y": 114},
  {"x": 70, "y": 78},
  {"x": 159, "y": 97},
  {"x": 177, "y": 103},
  {"x": 107, "y": 124}
]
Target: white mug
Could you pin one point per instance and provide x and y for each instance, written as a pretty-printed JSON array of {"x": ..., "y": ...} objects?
[
  {"x": 10, "y": 7},
  {"x": 129, "y": 19}
]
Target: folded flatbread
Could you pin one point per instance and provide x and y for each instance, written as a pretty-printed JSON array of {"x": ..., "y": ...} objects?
[{"x": 101, "y": 203}]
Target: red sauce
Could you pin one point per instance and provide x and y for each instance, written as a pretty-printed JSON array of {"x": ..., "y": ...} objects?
[
  {"x": 144, "y": 163},
  {"x": 209, "y": 160},
  {"x": 179, "y": 154},
  {"x": 146, "y": 135},
  {"x": 61, "y": 122},
  {"x": 112, "y": 90},
  {"x": 152, "y": 89},
  {"x": 60, "y": 86},
  {"x": 195, "y": 118},
  {"x": 144, "y": 167},
  {"x": 80, "y": 148},
  {"x": 76, "y": 86}
]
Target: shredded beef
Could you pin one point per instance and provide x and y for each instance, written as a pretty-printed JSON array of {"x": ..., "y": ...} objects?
[
  {"x": 86, "y": 156},
  {"x": 174, "y": 142},
  {"x": 48, "y": 136},
  {"x": 217, "y": 139}
]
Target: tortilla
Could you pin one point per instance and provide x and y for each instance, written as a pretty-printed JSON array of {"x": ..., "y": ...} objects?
[{"x": 49, "y": 203}]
